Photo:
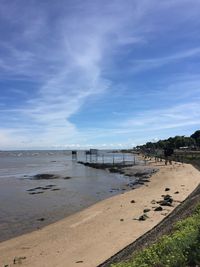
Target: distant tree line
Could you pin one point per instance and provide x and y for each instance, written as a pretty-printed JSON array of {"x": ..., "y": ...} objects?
[{"x": 177, "y": 142}]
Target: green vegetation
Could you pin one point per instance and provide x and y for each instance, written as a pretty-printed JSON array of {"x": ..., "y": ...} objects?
[
  {"x": 175, "y": 142},
  {"x": 181, "y": 248}
]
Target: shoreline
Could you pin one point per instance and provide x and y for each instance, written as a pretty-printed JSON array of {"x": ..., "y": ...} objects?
[
  {"x": 30, "y": 201},
  {"x": 46, "y": 190},
  {"x": 93, "y": 235}
]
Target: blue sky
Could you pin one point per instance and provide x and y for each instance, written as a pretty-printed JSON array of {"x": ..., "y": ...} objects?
[{"x": 76, "y": 74}]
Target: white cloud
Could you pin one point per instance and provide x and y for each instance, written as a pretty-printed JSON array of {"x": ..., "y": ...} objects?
[
  {"x": 66, "y": 57},
  {"x": 168, "y": 118}
]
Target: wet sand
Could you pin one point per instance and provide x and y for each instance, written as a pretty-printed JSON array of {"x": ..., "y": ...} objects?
[
  {"x": 29, "y": 202},
  {"x": 89, "y": 237}
]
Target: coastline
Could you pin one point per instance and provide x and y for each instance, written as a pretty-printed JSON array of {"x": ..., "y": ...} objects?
[{"x": 93, "y": 235}]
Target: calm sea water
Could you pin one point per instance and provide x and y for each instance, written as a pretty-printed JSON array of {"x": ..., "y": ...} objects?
[{"x": 21, "y": 211}]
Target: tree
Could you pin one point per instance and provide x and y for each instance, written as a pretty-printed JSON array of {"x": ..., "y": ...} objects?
[{"x": 196, "y": 137}]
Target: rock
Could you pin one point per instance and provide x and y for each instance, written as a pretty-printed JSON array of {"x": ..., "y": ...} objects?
[
  {"x": 153, "y": 201},
  {"x": 67, "y": 178},
  {"x": 35, "y": 193},
  {"x": 41, "y": 219},
  {"x": 121, "y": 220},
  {"x": 168, "y": 198},
  {"x": 177, "y": 192},
  {"x": 167, "y": 189},
  {"x": 143, "y": 217},
  {"x": 165, "y": 203},
  {"x": 45, "y": 176},
  {"x": 79, "y": 261},
  {"x": 144, "y": 180},
  {"x": 132, "y": 201},
  {"x": 30, "y": 190},
  {"x": 158, "y": 209},
  {"x": 146, "y": 210}
]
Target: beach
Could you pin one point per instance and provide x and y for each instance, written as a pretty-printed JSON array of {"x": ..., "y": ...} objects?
[{"x": 93, "y": 235}]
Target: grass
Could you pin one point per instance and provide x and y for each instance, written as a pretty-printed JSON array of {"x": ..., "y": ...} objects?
[{"x": 179, "y": 249}]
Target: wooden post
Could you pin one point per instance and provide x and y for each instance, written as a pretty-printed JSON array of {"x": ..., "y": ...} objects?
[
  {"x": 74, "y": 155},
  {"x": 123, "y": 159}
]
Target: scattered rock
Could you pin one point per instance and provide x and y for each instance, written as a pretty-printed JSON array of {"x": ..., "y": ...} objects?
[
  {"x": 158, "y": 209},
  {"x": 121, "y": 220},
  {"x": 144, "y": 180},
  {"x": 167, "y": 189},
  {"x": 67, "y": 178},
  {"x": 33, "y": 189},
  {"x": 30, "y": 190},
  {"x": 79, "y": 261},
  {"x": 35, "y": 193},
  {"x": 143, "y": 217},
  {"x": 164, "y": 203},
  {"x": 167, "y": 200},
  {"x": 45, "y": 176},
  {"x": 146, "y": 210}
]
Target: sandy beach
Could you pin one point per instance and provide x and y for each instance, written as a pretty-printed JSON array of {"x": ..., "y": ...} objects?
[{"x": 91, "y": 236}]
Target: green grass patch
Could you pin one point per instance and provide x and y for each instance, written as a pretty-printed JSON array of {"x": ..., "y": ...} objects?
[{"x": 181, "y": 248}]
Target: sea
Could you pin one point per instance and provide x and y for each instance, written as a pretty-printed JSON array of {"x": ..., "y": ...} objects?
[{"x": 27, "y": 204}]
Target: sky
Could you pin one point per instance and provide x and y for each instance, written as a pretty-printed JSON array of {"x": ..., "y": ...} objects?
[{"x": 98, "y": 73}]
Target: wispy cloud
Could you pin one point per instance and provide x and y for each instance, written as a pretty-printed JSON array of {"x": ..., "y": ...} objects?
[
  {"x": 151, "y": 63},
  {"x": 68, "y": 71},
  {"x": 64, "y": 52}
]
